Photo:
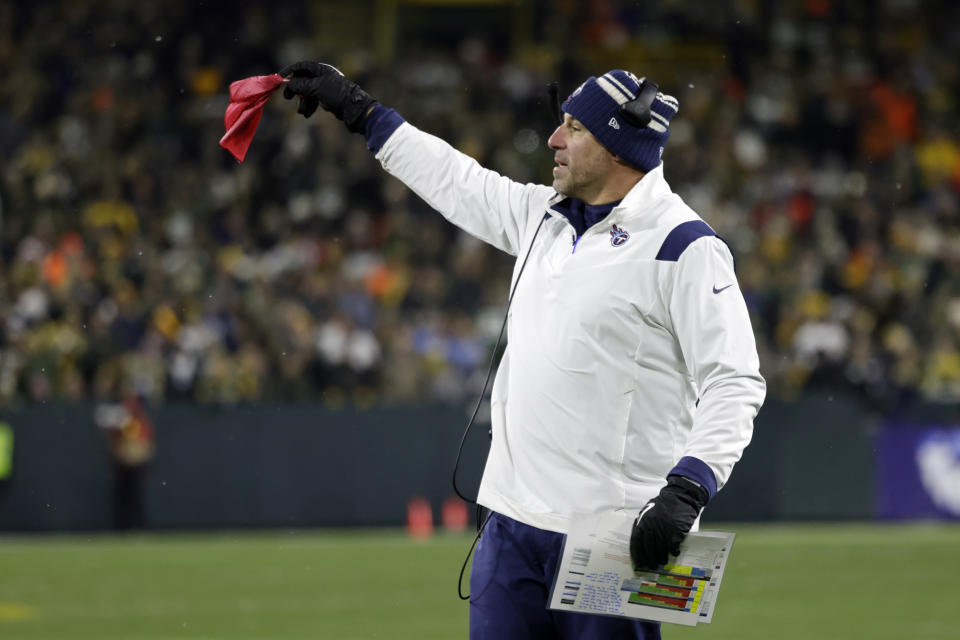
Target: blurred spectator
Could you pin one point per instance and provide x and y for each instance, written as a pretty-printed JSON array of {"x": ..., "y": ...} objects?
[{"x": 130, "y": 434}]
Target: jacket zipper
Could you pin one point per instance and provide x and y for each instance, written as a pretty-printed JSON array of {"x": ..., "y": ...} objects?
[
  {"x": 577, "y": 239},
  {"x": 574, "y": 238}
]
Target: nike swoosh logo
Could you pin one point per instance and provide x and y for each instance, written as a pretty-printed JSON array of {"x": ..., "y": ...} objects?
[
  {"x": 715, "y": 290},
  {"x": 650, "y": 505}
]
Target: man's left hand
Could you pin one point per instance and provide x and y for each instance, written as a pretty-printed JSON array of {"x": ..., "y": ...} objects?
[{"x": 665, "y": 521}]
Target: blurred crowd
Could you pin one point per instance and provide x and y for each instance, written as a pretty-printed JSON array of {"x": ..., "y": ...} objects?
[{"x": 818, "y": 137}]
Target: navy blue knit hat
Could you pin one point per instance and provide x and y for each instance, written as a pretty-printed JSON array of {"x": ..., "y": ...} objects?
[{"x": 596, "y": 104}]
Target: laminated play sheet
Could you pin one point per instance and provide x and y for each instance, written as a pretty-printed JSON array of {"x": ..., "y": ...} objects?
[{"x": 596, "y": 575}]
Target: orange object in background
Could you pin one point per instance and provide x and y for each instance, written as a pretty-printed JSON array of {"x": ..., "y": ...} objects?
[
  {"x": 419, "y": 518},
  {"x": 454, "y": 515}
]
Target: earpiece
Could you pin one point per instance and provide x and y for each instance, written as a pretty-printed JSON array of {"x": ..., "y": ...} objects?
[{"x": 637, "y": 111}]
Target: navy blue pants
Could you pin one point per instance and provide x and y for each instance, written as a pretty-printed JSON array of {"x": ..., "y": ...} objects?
[{"x": 513, "y": 570}]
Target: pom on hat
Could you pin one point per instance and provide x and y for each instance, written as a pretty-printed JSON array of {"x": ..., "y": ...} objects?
[{"x": 596, "y": 104}]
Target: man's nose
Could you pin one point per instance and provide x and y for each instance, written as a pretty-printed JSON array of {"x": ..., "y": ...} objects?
[{"x": 556, "y": 138}]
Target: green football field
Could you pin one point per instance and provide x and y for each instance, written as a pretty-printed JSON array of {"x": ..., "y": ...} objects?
[{"x": 785, "y": 582}]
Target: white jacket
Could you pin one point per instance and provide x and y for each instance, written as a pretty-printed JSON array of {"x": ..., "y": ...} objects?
[{"x": 630, "y": 355}]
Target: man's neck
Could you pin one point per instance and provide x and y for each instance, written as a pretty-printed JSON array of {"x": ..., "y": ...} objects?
[{"x": 616, "y": 187}]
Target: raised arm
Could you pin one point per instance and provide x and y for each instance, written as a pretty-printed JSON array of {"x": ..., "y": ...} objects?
[{"x": 482, "y": 202}]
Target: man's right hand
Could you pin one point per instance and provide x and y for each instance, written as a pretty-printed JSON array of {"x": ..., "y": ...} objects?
[
  {"x": 665, "y": 521},
  {"x": 320, "y": 84}
]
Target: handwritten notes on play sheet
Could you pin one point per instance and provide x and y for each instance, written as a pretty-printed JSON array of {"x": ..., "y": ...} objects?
[{"x": 596, "y": 576}]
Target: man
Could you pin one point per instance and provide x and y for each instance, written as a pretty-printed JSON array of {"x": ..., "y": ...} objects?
[
  {"x": 631, "y": 378},
  {"x": 132, "y": 444}
]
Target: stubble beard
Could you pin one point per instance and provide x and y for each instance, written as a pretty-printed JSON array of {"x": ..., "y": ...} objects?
[
  {"x": 581, "y": 184},
  {"x": 566, "y": 185},
  {"x": 558, "y": 186}
]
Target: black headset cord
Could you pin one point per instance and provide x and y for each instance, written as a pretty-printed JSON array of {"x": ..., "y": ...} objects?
[{"x": 456, "y": 465}]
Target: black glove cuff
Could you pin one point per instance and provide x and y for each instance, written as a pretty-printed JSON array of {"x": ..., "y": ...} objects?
[
  {"x": 697, "y": 496},
  {"x": 356, "y": 108}
]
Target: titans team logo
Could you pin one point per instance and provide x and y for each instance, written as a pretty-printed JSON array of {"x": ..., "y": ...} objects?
[{"x": 618, "y": 236}]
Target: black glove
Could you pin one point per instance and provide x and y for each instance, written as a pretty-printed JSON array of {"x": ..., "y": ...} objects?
[
  {"x": 665, "y": 521},
  {"x": 320, "y": 84}
]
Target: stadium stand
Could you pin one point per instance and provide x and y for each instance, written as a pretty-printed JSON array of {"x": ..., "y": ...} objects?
[{"x": 819, "y": 138}]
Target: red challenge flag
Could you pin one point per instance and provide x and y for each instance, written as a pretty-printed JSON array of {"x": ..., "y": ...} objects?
[{"x": 247, "y": 98}]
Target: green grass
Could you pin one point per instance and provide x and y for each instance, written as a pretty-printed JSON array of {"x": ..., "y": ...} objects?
[
  {"x": 838, "y": 582},
  {"x": 786, "y": 582}
]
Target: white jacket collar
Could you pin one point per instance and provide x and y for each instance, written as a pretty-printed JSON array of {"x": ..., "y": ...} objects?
[{"x": 652, "y": 185}]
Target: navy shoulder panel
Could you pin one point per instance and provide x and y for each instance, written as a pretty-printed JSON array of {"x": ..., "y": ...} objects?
[{"x": 680, "y": 238}]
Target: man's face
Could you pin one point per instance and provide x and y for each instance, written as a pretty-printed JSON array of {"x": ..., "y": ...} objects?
[{"x": 583, "y": 164}]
